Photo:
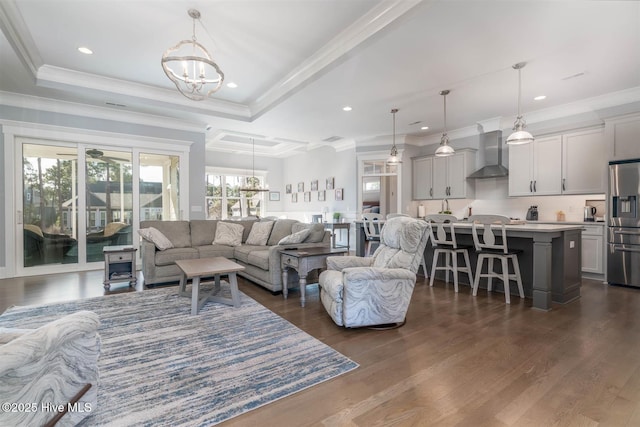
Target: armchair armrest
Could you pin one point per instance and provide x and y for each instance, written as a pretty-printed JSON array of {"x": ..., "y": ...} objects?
[{"x": 339, "y": 263}]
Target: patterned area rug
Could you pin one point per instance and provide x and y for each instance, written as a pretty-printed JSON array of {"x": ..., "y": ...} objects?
[{"x": 160, "y": 366}]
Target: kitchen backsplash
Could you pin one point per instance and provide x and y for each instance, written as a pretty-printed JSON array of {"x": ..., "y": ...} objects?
[{"x": 492, "y": 198}]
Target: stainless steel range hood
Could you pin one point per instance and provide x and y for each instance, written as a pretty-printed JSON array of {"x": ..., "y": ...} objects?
[{"x": 490, "y": 155}]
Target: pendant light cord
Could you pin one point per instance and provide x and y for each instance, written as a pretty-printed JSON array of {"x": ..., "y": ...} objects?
[{"x": 519, "y": 89}]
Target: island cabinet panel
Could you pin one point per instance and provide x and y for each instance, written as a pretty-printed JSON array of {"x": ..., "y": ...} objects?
[
  {"x": 623, "y": 137},
  {"x": 536, "y": 168},
  {"x": 584, "y": 162},
  {"x": 593, "y": 249},
  {"x": 444, "y": 177}
]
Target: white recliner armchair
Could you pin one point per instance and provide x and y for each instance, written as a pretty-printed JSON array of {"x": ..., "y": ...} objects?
[
  {"x": 50, "y": 365},
  {"x": 376, "y": 291}
]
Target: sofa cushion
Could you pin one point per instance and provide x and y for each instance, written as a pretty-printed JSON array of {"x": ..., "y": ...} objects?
[
  {"x": 241, "y": 253},
  {"x": 210, "y": 251},
  {"x": 297, "y": 237},
  {"x": 260, "y": 232},
  {"x": 316, "y": 231},
  {"x": 259, "y": 259},
  {"x": 153, "y": 235},
  {"x": 9, "y": 334},
  {"x": 178, "y": 232},
  {"x": 247, "y": 224},
  {"x": 203, "y": 231},
  {"x": 228, "y": 234},
  {"x": 170, "y": 256},
  {"x": 281, "y": 228}
]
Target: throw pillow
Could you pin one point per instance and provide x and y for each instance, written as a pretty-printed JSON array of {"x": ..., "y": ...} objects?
[
  {"x": 260, "y": 232},
  {"x": 154, "y": 236},
  {"x": 228, "y": 234},
  {"x": 316, "y": 231},
  {"x": 294, "y": 238}
]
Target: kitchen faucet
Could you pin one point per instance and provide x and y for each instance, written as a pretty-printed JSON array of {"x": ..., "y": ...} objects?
[{"x": 442, "y": 205}]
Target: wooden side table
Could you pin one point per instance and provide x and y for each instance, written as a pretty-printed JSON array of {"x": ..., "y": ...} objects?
[
  {"x": 304, "y": 261},
  {"x": 119, "y": 265}
]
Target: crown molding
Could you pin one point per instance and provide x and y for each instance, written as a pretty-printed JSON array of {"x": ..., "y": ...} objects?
[
  {"x": 361, "y": 30},
  {"x": 83, "y": 110},
  {"x": 15, "y": 30}
]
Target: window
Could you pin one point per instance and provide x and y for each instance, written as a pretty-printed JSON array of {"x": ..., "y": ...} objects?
[{"x": 224, "y": 199}]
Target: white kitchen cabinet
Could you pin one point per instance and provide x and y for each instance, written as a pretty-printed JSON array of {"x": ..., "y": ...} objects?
[
  {"x": 444, "y": 177},
  {"x": 536, "y": 168},
  {"x": 593, "y": 249},
  {"x": 584, "y": 162},
  {"x": 622, "y": 136},
  {"x": 422, "y": 178}
]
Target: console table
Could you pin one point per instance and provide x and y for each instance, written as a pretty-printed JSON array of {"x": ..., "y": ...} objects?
[{"x": 333, "y": 226}]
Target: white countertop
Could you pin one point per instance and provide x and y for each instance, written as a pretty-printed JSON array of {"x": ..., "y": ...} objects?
[{"x": 536, "y": 227}]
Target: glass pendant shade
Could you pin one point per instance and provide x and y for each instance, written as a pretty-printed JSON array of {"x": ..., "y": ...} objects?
[
  {"x": 445, "y": 149},
  {"x": 254, "y": 183},
  {"x": 519, "y": 136},
  {"x": 394, "y": 159}
]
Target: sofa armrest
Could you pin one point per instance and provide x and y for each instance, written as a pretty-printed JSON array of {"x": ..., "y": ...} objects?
[
  {"x": 341, "y": 262},
  {"x": 148, "y": 259},
  {"x": 52, "y": 362}
]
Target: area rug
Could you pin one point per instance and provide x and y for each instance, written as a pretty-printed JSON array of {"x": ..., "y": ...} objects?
[{"x": 160, "y": 366}]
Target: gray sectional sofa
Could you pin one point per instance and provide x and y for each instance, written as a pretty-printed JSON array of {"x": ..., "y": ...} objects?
[{"x": 193, "y": 239}]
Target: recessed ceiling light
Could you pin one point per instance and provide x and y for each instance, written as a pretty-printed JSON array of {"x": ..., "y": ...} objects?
[
  {"x": 347, "y": 108},
  {"x": 232, "y": 85},
  {"x": 540, "y": 97},
  {"x": 85, "y": 50},
  {"x": 424, "y": 127}
]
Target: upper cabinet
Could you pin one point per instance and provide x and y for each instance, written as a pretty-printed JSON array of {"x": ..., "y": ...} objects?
[
  {"x": 444, "y": 177},
  {"x": 584, "y": 162},
  {"x": 535, "y": 169},
  {"x": 572, "y": 163},
  {"x": 623, "y": 137}
]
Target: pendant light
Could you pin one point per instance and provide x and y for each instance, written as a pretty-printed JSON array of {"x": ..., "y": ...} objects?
[
  {"x": 445, "y": 149},
  {"x": 254, "y": 185},
  {"x": 393, "y": 157},
  {"x": 520, "y": 136}
]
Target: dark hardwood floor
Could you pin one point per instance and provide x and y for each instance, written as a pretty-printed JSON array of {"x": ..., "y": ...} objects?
[{"x": 459, "y": 360}]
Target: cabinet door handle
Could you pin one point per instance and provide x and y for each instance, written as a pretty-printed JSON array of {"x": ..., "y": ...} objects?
[
  {"x": 431, "y": 192},
  {"x": 534, "y": 187},
  {"x": 564, "y": 187},
  {"x": 530, "y": 186}
]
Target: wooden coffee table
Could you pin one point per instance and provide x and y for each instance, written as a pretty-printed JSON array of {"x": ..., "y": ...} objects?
[
  {"x": 304, "y": 261},
  {"x": 196, "y": 269}
]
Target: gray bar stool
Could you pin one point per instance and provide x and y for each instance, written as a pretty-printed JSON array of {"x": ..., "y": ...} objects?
[
  {"x": 443, "y": 239},
  {"x": 491, "y": 247}
]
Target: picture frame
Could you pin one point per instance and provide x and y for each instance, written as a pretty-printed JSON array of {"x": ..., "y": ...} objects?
[
  {"x": 301, "y": 187},
  {"x": 294, "y": 198},
  {"x": 314, "y": 185},
  {"x": 321, "y": 196},
  {"x": 330, "y": 183},
  {"x": 287, "y": 189},
  {"x": 307, "y": 196},
  {"x": 274, "y": 196},
  {"x": 339, "y": 195}
]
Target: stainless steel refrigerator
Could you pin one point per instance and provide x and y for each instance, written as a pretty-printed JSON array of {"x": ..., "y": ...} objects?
[{"x": 623, "y": 252}]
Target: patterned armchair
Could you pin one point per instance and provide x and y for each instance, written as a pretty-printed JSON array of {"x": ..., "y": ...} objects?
[
  {"x": 51, "y": 364},
  {"x": 376, "y": 291}
]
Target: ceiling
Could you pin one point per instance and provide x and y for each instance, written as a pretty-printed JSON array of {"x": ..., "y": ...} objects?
[{"x": 297, "y": 63}]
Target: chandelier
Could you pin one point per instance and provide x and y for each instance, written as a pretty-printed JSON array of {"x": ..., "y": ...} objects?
[
  {"x": 190, "y": 67},
  {"x": 253, "y": 182},
  {"x": 445, "y": 149},
  {"x": 393, "y": 156},
  {"x": 520, "y": 136}
]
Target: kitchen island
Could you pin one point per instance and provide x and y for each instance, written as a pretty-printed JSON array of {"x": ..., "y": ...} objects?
[{"x": 550, "y": 262}]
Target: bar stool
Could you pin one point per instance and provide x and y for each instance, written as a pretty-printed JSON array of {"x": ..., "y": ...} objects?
[
  {"x": 443, "y": 238},
  {"x": 490, "y": 248},
  {"x": 372, "y": 225}
]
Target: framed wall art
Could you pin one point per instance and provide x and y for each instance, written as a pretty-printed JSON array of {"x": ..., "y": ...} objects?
[
  {"x": 274, "y": 196},
  {"x": 330, "y": 183},
  {"x": 287, "y": 189},
  {"x": 339, "y": 194},
  {"x": 321, "y": 196},
  {"x": 294, "y": 198},
  {"x": 314, "y": 185},
  {"x": 301, "y": 187},
  {"x": 307, "y": 196}
]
